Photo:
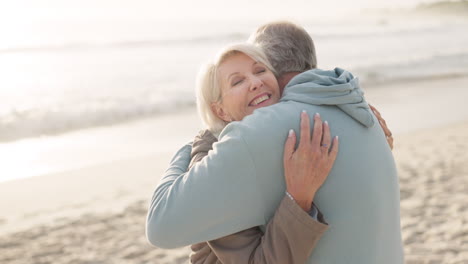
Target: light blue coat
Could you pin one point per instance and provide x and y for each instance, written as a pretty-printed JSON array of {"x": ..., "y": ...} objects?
[{"x": 240, "y": 183}]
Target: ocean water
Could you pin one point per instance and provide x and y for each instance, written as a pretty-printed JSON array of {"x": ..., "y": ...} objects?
[
  {"x": 60, "y": 76},
  {"x": 83, "y": 74}
]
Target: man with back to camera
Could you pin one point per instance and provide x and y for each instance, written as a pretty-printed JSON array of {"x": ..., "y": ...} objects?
[{"x": 360, "y": 198}]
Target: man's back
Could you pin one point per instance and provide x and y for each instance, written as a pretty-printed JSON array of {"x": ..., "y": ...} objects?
[
  {"x": 240, "y": 183},
  {"x": 360, "y": 198}
]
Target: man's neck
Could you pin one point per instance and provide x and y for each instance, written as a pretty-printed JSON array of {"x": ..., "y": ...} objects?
[{"x": 284, "y": 79}]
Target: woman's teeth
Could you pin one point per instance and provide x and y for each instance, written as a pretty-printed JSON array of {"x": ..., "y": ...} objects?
[{"x": 260, "y": 99}]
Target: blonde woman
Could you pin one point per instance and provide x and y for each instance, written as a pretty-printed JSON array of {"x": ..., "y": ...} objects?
[{"x": 240, "y": 81}]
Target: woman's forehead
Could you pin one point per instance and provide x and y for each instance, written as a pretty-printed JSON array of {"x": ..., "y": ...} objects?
[{"x": 236, "y": 63}]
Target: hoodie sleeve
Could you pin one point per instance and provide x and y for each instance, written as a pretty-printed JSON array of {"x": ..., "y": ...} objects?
[{"x": 217, "y": 197}]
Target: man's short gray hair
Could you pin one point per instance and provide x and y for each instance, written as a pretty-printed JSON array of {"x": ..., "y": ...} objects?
[{"x": 289, "y": 47}]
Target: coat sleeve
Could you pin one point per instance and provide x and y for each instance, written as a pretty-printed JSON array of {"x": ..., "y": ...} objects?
[
  {"x": 290, "y": 236},
  {"x": 217, "y": 197}
]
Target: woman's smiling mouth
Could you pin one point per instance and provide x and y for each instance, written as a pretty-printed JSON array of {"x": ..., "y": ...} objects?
[{"x": 259, "y": 99}]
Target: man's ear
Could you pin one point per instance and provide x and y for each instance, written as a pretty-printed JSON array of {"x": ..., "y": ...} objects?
[{"x": 218, "y": 110}]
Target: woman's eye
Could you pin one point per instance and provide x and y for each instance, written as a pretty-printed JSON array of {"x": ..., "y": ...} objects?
[
  {"x": 236, "y": 82},
  {"x": 261, "y": 71}
]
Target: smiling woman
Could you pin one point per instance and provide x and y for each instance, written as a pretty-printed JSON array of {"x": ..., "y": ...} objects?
[
  {"x": 239, "y": 81},
  {"x": 247, "y": 85}
]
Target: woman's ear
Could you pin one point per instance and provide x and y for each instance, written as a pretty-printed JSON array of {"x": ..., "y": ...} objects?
[{"x": 217, "y": 109}]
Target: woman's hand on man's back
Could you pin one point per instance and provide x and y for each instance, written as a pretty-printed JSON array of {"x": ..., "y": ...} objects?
[{"x": 307, "y": 167}]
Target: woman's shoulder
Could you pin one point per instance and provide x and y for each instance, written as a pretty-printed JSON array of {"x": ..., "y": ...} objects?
[{"x": 204, "y": 141}]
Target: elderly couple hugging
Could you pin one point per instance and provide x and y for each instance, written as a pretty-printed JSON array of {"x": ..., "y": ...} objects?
[{"x": 266, "y": 183}]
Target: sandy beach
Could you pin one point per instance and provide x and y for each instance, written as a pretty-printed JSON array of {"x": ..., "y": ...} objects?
[
  {"x": 433, "y": 170},
  {"x": 96, "y": 214}
]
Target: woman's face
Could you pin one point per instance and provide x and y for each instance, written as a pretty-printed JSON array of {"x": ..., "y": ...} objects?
[{"x": 246, "y": 85}]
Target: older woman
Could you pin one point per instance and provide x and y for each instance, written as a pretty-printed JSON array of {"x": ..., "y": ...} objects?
[{"x": 240, "y": 81}]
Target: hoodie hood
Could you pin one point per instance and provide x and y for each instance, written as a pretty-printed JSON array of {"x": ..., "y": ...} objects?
[{"x": 335, "y": 87}]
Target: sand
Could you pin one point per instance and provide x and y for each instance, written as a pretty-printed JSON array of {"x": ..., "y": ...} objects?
[
  {"x": 433, "y": 171},
  {"x": 97, "y": 214}
]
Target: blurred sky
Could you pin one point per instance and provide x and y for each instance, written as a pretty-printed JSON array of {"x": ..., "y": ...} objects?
[
  {"x": 23, "y": 10},
  {"x": 36, "y": 22}
]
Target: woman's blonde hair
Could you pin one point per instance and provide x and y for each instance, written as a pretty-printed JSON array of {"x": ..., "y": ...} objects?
[{"x": 208, "y": 88}]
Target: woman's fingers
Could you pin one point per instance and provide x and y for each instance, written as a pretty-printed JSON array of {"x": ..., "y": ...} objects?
[
  {"x": 334, "y": 149},
  {"x": 305, "y": 129},
  {"x": 317, "y": 134},
  {"x": 289, "y": 145},
  {"x": 383, "y": 124},
  {"x": 307, "y": 169},
  {"x": 386, "y": 130},
  {"x": 388, "y": 134},
  {"x": 326, "y": 138},
  {"x": 376, "y": 112},
  {"x": 390, "y": 142}
]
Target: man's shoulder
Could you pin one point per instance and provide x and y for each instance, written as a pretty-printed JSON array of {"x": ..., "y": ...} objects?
[
  {"x": 279, "y": 117},
  {"x": 262, "y": 120}
]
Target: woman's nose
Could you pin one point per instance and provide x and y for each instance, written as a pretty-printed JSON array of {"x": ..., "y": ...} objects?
[{"x": 255, "y": 83}]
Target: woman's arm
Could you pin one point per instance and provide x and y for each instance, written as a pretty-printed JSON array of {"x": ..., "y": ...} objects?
[
  {"x": 292, "y": 233},
  {"x": 290, "y": 237}
]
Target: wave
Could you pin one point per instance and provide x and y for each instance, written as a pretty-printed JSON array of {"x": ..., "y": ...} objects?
[
  {"x": 376, "y": 79},
  {"x": 459, "y": 7},
  {"x": 19, "y": 124},
  {"x": 435, "y": 67},
  {"x": 379, "y": 29},
  {"x": 233, "y": 37}
]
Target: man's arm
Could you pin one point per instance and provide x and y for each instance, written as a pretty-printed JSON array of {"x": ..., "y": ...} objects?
[{"x": 217, "y": 197}]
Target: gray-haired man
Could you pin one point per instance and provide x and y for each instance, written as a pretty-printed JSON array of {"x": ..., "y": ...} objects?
[{"x": 360, "y": 198}]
